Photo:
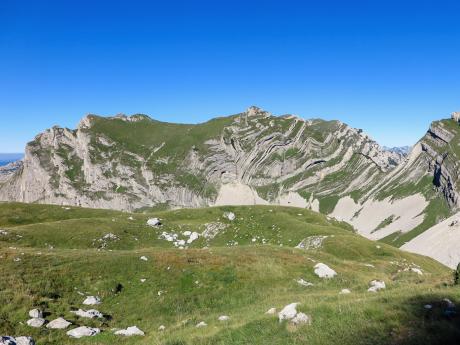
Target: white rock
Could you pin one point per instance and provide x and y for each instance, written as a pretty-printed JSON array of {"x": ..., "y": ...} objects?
[
  {"x": 143, "y": 280},
  {"x": 58, "y": 323},
  {"x": 24, "y": 341},
  {"x": 144, "y": 258},
  {"x": 224, "y": 318},
  {"x": 288, "y": 312},
  {"x": 304, "y": 282},
  {"x": 161, "y": 328},
  {"x": 376, "y": 285},
  {"x": 301, "y": 318},
  {"x": 110, "y": 236},
  {"x": 83, "y": 331},
  {"x": 3, "y": 232},
  {"x": 187, "y": 233},
  {"x": 130, "y": 218},
  {"x": 34, "y": 313},
  {"x": 417, "y": 270},
  {"x": 91, "y": 313},
  {"x": 36, "y": 322},
  {"x": 312, "y": 242},
  {"x": 92, "y": 300},
  {"x": 133, "y": 330},
  {"x": 193, "y": 236},
  {"x": 345, "y": 291},
  {"x": 153, "y": 222},
  {"x": 324, "y": 271},
  {"x": 428, "y": 306},
  {"x": 230, "y": 216},
  {"x": 213, "y": 229},
  {"x": 271, "y": 311},
  {"x": 201, "y": 324}
]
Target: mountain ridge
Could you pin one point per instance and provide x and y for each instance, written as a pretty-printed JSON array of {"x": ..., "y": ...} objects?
[{"x": 136, "y": 162}]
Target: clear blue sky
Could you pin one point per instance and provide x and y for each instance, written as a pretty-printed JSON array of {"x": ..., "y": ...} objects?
[{"x": 389, "y": 67}]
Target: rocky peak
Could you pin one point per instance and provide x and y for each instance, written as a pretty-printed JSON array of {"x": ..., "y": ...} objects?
[
  {"x": 256, "y": 111},
  {"x": 85, "y": 122}
]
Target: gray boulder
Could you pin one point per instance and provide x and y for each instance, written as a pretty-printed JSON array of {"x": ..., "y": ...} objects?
[
  {"x": 92, "y": 300},
  {"x": 59, "y": 323},
  {"x": 35, "y": 313},
  {"x": 36, "y": 322},
  {"x": 83, "y": 331},
  {"x": 91, "y": 313}
]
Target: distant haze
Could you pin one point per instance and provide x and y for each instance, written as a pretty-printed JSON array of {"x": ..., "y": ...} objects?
[{"x": 6, "y": 158}]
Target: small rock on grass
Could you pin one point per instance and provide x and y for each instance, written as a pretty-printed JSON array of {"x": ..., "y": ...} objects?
[
  {"x": 303, "y": 282},
  {"x": 324, "y": 271},
  {"x": 91, "y": 313},
  {"x": 130, "y": 331},
  {"x": 229, "y": 215},
  {"x": 154, "y": 222},
  {"x": 288, "y": 312},
  {"x": 35, "y": 313},
  {"x": 59, "y": 323},
  {"x": 271, "y": 311},
  {"x": 92, "y": 300},
  {"x": 376, "y": 285},
  {"x": 83, "y": 331},
  {"x": 300, "y": 319},
  {"x": 36, "y": 322}
]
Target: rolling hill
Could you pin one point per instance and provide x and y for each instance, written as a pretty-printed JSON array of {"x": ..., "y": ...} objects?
[{"x": 202, "y": 264}]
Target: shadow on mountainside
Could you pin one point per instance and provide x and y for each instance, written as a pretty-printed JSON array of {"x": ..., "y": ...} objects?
[
  {"x": 417, "y": 324},
  {"x": 430, "y": 319}
]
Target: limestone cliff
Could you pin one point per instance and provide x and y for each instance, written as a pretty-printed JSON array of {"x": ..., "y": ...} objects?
[{"x": 133, "y": 162}]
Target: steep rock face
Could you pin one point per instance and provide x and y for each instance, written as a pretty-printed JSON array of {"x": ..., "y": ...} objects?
[
  {"x": 133, "y": 162},
  {"x": 417, "y": 194}
]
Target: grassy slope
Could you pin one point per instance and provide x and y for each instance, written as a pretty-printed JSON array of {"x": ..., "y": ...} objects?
[{"x": 202, "y": 283}]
